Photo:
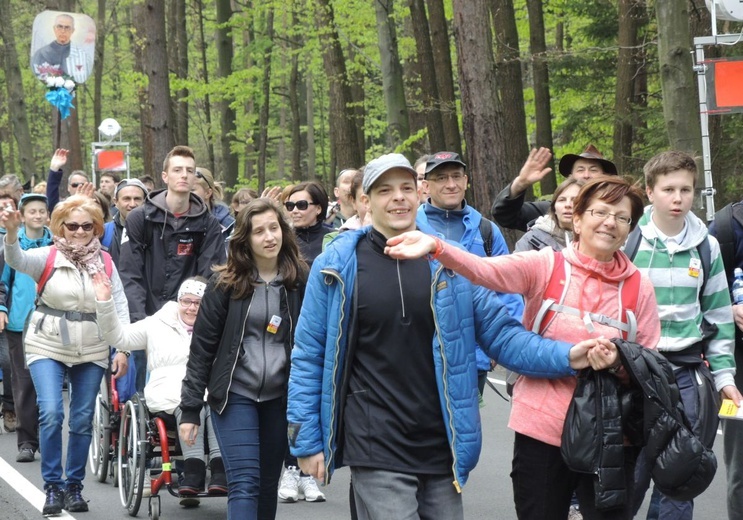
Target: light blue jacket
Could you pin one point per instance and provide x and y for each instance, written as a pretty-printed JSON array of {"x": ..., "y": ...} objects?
[
  {"x": 464, "y": 315},
  {"x": 22, "y": 295}
]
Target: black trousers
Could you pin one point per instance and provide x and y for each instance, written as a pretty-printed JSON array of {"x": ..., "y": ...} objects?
[{"x": 24, "y": 394}]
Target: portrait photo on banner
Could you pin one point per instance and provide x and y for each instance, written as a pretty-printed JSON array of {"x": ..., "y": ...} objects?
[{"x": 63, "y": 45}]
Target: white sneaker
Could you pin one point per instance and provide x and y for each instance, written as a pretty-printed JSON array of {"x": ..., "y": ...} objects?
[
  {"x": 574, "y": 514},
  {"x": 308, "y": 490},
  {"x": 289, "y": 485}
]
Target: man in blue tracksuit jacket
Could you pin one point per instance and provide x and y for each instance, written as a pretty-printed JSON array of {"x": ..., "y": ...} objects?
[{"x": 383, "y": 375}]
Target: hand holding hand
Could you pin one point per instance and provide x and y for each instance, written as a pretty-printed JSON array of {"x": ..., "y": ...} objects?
[
  {"x": 534, "y": 170},
  {"x": 102, "y": 286},
  {"x": 603, "y": 355},
  {"x": 313, "y": 465},
  {"x": 59, "y": 159},
  {"x": 410, "y": 245}
]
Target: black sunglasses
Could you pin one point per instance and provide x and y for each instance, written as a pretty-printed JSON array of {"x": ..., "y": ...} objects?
[
  {"x": 76, "y": 184},
  {"x": 74, "y": 226},
  {"x": 300, "y": 204},
  {"x": 201, "y": 176}
]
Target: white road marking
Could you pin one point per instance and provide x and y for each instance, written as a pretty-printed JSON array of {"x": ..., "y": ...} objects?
[{"x": 26, "y": 489}]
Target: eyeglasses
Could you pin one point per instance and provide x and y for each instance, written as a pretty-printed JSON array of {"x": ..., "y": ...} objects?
[
  {"x": 201, "y": 176},
  {"x": 300, "y": 205},
  {"x": 600, "y": 214},
  {"x": 186, "y": 303},
  {"x": 76, "y": 184},
  {"x": 74, "y": 226},
  {"x": 441, "y": 179}
]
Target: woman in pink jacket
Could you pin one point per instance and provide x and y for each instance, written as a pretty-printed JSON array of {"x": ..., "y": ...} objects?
[{"x": 604, "y": 213}]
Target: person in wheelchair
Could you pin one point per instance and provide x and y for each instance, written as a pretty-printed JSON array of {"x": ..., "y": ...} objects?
[
  {"x": 166, "y": 336},
  {"x": 241, "y": 351}
]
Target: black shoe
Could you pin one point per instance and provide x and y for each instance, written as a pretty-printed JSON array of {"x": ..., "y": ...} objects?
[
  {"x": 194, "y": 476},
  {"x": 54, "y": 501},
  {"x": 218, "y": 480},
  {"x": 73, "y": 499},
  {"x": 25, "y": 455}
]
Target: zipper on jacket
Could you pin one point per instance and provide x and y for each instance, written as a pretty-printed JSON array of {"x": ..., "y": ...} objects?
[
  {"x": 234, "y": 365},
  {"x": 263, "y": 347},
  {"x": 329, "y": 460},
  {"x": 457, "y": 486}
]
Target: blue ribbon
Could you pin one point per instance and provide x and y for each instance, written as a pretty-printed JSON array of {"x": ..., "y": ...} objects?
[{"x": 61, "y": 99}]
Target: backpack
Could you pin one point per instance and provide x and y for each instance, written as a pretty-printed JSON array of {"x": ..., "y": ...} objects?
[
  {"x": 726, "y": 235},
  {"x": 557, "y": 288},
  {"x": 49, "y": 269},
  {"x": 703, "y": 250},
  {"x": 486, "y": 232},
  {"x": 108, "y": 235}
]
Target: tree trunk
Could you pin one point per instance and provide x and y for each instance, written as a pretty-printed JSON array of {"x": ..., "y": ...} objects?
[
  {"x": 205, "y": 78},
  {"x": 263, "y": 121},
  {"x": 181, "y": 72},
  {"x": 629, "y": 11},
  {"x": 248, "y": 35},
  {"x": 311, "y": 150},
  {"x": 357, "y": 79},
  {"x": 344, "y": 149},
  {"x": 398, "y": 128},
  {"x": 540, "y": 77},
  {"x": 680, "y": 100},
  {"x": 100, "y": 43},
  {"x": 482, "y": 114},
  {"x": 155, "y": 61},
  {"x": 225, "y": 52},
  {"x": 441, "y": 48},
  {"x": 427, "y": 73},
  {"x": 134, "y": 15},
  {"x": 16, "y": 98},
  {"x": 294, "y": 103},
  {"x": 510, "y": 85}
]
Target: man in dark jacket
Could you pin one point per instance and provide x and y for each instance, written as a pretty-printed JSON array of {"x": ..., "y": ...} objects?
[
  {"x": 509, "y": 208},
  {"x": 732, "y": 429},
  {"x": 171, "y": 237},
  {"x": 129, "y": 194}
]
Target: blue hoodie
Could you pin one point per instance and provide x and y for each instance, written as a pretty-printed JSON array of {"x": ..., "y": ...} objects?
[{"x": 22, "y": 295}]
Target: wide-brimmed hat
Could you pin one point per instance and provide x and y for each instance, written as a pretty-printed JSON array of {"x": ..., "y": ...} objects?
[{"x": 591, "y": 152}]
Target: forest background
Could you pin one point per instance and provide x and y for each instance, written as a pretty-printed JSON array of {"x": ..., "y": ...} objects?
[{"x": 274, "y": 92}]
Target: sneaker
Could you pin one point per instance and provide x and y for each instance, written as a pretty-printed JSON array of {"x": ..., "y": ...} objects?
[
  {"x": 73, "y": 499},
  {"x": 54, "y": 501},
  {"x": 9, "y": 421},
  {"x": 289, "y": 485},
  {"x": 574, "y": 513},
  {"x": 308, "y": 490},
  {"x": 25, "y": 455}
]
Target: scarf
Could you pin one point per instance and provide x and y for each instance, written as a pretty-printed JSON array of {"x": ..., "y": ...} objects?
[{"x": 86, "y": 258}]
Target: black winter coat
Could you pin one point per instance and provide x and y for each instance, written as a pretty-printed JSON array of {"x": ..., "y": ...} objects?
[
  {"x": 651, "y": 413},
  {"x": 216, "y": 343}
]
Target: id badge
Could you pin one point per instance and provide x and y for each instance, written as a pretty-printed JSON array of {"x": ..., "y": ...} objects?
[
  {"x": 273, "y": 325},
  {"x": 695, "y": 264}
]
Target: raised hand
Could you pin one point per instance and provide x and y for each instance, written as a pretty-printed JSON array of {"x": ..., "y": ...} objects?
[
  {"x": 86, "y": 190},
  {"x": 102, "y": 286},
  {"x": 272, "y": 193},
  {"x": 10, "y": 219},
  {"x": 534, "y": 170},
  {"x": 410, "y": 245},
  {"x": 59, "y": 159}
]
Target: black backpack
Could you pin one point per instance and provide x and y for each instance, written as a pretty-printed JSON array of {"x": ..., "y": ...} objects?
[
  {"x": 726, "y": 235},
  {"x": 486, "y": 231}
]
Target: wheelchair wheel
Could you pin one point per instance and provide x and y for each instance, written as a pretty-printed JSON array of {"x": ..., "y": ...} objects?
[
  {"x": 132, "y": 454},
  {"x": 99, "y": 453},
  {"x": 155, "y": 508}
]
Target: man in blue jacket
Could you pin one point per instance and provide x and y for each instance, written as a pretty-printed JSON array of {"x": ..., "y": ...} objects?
[
  {"x": 383, "y": 375},
  {"x": 447, "y": 214}
]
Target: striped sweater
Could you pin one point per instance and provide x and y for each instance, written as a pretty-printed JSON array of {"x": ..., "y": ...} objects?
[{"x": 680, "y": 306}]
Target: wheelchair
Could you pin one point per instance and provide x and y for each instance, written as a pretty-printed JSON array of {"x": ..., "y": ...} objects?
[
  {"x": 144, "y": 438},
  {"x": 104, "y": 444}
]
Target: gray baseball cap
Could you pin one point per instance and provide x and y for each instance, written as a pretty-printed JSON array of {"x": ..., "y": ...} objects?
[{"x": 381, "y": 165}]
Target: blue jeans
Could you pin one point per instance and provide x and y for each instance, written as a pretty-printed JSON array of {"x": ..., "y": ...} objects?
[
  {"x": 382, "y": 494},
  {"x": 252, "y": 439},
  {"x": 84, "y": 383}
]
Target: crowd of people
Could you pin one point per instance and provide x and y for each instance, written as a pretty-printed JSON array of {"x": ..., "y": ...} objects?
[{"x": 279, "y": 331}]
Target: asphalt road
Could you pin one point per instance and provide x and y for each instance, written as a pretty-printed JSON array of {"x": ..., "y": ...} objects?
[{"x": 486, "y": 496}]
